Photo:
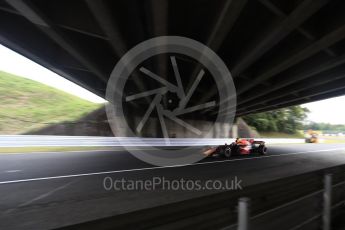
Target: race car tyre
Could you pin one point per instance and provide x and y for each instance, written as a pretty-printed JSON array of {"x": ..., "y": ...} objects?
[
  {"x": 262, "y": 150},
  {"x": 227, "y": 152}
]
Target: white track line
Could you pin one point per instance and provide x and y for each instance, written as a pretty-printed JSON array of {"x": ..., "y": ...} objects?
[
  {"x": 13, "y": 171},
  {"x": 161, "y": 167},
  {"x": 80, "y": 151},
  {"x": 40, "y": 197}
]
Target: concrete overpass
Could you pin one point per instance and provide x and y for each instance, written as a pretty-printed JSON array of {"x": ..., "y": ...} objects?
[{"x": 280, "y": 53}]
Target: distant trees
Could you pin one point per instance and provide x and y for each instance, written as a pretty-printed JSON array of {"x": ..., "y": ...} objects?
[
  {"x": 325, "y": 127},
  {"x": 286, "y": 120}
]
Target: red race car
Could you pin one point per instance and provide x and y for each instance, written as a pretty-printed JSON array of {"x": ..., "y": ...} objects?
[{"x": 238, "y": 147}]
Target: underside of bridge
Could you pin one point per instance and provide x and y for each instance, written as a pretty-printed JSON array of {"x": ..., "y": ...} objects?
[{"x": 280, "y": 52}]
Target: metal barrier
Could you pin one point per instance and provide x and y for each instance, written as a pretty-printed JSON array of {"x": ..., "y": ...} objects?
[
  {"x": 46, "y": 140},
  {"x": 304, "y": 201},
  {"x": 244, "y": 208},
  {"x": 243, "y": 213}
]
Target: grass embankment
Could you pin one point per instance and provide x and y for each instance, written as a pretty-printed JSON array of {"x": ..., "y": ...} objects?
[{"x": 27, "y": 105}]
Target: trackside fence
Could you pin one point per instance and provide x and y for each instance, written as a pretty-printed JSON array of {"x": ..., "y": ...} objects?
[
  {"x": 323, "y": 197},
  {"x": 308, "y": 201}
]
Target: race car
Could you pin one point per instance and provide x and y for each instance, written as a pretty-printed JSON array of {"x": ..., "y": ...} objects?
[
  {"x": 238, "y": 147},
  {"x": 311, "y": 136}
]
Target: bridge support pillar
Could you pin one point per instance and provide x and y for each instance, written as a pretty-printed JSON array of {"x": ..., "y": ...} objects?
[{"x": 234, "y": 131}]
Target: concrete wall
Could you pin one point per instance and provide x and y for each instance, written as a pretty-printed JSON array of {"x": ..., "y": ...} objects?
[{"x": 96, "y": 124}]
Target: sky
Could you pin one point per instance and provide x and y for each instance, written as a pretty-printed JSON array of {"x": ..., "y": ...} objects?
[
  {"x": 17, "y": 64},
  {"x": 328, "y": 111}
]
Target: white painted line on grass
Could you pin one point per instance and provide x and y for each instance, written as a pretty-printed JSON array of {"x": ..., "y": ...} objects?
[{"x": 162, "y": 167}]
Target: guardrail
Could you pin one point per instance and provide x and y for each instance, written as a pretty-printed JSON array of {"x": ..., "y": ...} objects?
[
  {"x": 325, "y": 212},
  {"x": 305, "y": 201},
  {"x": 41, "y": 140}
]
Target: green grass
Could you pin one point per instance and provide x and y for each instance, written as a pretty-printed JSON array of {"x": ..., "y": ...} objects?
[
  {"x": 280, "y": 135},
  {"x": 16, "y": 150},
  {"x": 26, "y": 105},
  {"x": 333, "y": 141}
]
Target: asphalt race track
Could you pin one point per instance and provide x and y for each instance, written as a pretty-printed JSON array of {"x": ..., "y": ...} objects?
[{"x": 49, "y": 190}]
